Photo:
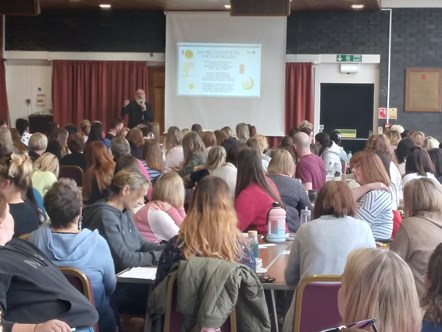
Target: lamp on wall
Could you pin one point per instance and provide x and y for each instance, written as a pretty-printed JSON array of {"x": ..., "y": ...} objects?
[{"x": 349, "y": 68}]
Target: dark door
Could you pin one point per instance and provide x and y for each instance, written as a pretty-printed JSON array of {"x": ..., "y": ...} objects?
[{"x": 348, "y": 106}]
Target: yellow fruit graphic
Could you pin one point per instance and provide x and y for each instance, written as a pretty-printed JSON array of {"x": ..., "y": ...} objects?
[
  {"x": 191, "y": 86},
  {"x": 248, "y": 84},
  {"x": 188, "y": 54}
]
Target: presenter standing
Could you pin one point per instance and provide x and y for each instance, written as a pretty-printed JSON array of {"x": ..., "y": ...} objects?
[{"x": 139, "y": 110}]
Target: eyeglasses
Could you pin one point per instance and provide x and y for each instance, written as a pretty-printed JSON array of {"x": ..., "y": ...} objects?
[{"x": 358, "y": 325}]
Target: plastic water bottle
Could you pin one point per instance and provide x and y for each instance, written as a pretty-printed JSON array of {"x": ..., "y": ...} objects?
[
  {"x": 253, "y": 240},
  {"x": 276, "y": 224},
  {"x": 306, "y": 216}
]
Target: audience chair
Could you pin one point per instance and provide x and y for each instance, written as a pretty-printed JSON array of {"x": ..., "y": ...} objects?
[
  {"x": 172, "y": 319},
  {"x": 81, "y": 282},
  {"x": 72, "y": 172},
  {"x": 316, "y": 303}
]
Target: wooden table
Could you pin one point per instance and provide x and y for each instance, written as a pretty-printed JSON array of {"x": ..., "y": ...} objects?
[{"x": 274, "y": 258}]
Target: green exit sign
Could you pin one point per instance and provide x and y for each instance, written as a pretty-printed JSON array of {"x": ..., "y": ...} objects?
[{"x": 349, "y": 57}]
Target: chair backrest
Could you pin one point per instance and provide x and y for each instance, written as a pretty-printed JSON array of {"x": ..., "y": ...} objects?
[
  {"x": 81, "y": 282},
  {"x": 172, "y": 318},
  {"x": 72, "y": 172},
  {"x": 316, "y": 303}
]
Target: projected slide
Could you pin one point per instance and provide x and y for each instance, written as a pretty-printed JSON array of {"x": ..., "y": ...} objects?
[{"x": 216, "y": 70}]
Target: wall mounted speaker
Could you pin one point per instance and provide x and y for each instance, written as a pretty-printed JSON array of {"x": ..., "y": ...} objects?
[
  {"x": 260, "y": 7},
  {"x": 20, "y": 7}
]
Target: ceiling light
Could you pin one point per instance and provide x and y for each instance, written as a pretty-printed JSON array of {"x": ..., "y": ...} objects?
[
  {"x": 357, "y": 6},
  {"x": 227, "y": 6},
  {"x": 105, "y": 6}
]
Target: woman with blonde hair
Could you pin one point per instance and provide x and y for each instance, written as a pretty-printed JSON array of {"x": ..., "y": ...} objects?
[
  {"x": 418, "y": 137},
  {"x": 209, "y": 230},
  {"x": 114, "y": 220},
  {"x": 15, "y": 181},
  {"x": 322, "y": 245},
  {"x": 421, "y": 229},
  {"x": 242, "y": 132},
  {"x": 374, "y": 204},
  {"x": 174, "y": 148},
  {"x": 161, "y": 218},
  {"x": 281, "y": 170},
  {"x": 85, "y": 128},
  {"x": 46, "y": 169},
  {"x": 37, "y": 145},
  {"x": 378, "y": 284}
]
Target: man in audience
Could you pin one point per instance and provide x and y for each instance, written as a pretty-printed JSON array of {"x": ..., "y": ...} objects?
[
  {"x": 116, "y": 126},
  {"x": 139, "y": 110},
  {"x": 310, "y": 168}
]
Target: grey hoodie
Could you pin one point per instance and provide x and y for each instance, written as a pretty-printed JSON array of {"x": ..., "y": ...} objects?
[
  {"x": 128, "y": 248},
  {"x": 332, "y": 159}
]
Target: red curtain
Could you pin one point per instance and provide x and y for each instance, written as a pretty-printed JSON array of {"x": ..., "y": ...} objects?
[
  {"x": 3, "y": 95},
  {"x": 94, "y": 90},
  {"x": 298, "y": 96}
]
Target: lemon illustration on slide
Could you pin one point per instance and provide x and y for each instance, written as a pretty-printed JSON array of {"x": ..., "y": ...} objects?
[
  {"x": 248, "y": 83},
  {"x": 188, "y": 54},
  {"x": 191, "y": 86}
]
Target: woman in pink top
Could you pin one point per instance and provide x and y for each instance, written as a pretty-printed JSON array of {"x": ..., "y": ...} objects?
[
  {"x": 254, "y": 193},
  {"x": 160, "y": 219}
]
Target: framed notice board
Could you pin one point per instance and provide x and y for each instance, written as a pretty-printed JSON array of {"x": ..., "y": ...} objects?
[{"x": 423, "y": 90}]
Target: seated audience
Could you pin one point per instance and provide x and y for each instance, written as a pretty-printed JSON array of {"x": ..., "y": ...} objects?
[
  {"x": 322, "y": 245},
  {"x": 36, "y": 296},
  {"x": 378, "y": 284},
  {"x": 37, "y": 145},
  {"x": 430, "y": 143},
  {"x": 153, "y": 159},
  {"x": 418, "y": 165},
  {"x": 329, "y": 152},
  {"x": 215, "y": 159},
  {"x": 19, "y": 146},
  {"x": 373, "y": 198},
  {"x": 22, "y": 126},
  {"x": 15, "y": 180},
  {"x": 76, "y": 157},
  {"x": 421, "y": 230},
  {"x": 436, "y": 158},
  {"x": 57, "y": 142},
  {"x": 46, "y": 169},
  {"x": 281, "y": 170},
  {"x": 99, "y": 172},
  {"x": 161, "y": 218},
  {"x": 174, "y": 148},
  {"x": 96, "y": 134},
  {"x": 136, "y": 141},
  {"x": 432, "y": 300},
  {"x": 209, "y": 230},
  {"x": 116, "y": 126},
  {"x": 194, "y": 153},
  {"x": 209, "y": 139},
  {"x": 228, "y": 171},
  {"x": 310, "y": 168},
  {"x": 65, "y": 244},
  {"x": 418, "y": 138},
  {"x": 255, "y": 193},
  {"x": 114, "y": 220},
  {"x": 402, "y": 151},
  {"x": 85, "y": 128},
  {"x": 242, "y": 132}
]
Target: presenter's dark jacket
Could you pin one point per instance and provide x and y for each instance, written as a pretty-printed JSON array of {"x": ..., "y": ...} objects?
[
  {"x": 136, "y": 114},
  {"x": 33, "y": 290}
]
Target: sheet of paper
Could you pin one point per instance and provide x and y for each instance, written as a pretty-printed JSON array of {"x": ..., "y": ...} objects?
[
  {"x": 140, "y": 273},
  {"x": 265, "y": 245},
  {"x": 286, "y": 252}
]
